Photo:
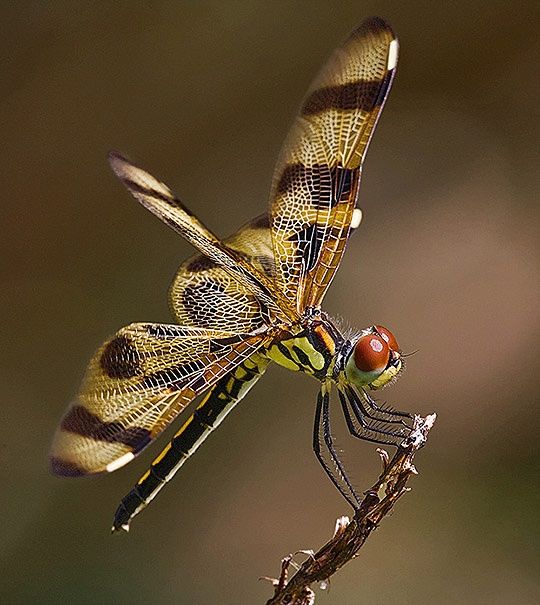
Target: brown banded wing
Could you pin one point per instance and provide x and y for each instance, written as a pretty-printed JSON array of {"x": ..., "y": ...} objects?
[
  {"x": 159, "y": 199},
  {"x": 316, "y": 180},
  {"x": 135, "y": 385},
  {"x": 204, "y": 294}
]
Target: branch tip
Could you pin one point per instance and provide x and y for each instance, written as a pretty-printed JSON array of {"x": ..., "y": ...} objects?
[{"x": 350, "y": 534}]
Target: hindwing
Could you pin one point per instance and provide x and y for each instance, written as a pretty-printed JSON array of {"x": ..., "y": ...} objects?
[
  {"x": 204, "y": 294},
  {"x": 135, "y": 385}
]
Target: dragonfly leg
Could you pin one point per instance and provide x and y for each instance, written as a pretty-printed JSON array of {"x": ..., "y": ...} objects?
[
  {"x": 335, "y": 470},
  {"x": 359, "y": 427},
  {"x": 390, "y": 415}
]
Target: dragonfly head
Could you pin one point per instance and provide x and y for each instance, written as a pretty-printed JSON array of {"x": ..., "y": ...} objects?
[{"x": 374, "y": 359}]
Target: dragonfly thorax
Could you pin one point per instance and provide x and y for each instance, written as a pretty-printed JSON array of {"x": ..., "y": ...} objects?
[{"x": 313, "y": 348}]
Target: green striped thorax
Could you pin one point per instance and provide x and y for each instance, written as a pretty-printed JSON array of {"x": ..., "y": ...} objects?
[
  {"x": 372, "y": 359},
  {"x": 299, "y": 354}
]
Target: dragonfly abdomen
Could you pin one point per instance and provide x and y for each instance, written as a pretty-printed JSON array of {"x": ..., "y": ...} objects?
[{"x": 219, "y": 401}]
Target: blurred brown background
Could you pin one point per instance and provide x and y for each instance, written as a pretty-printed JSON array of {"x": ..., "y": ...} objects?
[{"x": 202, "y": 94}]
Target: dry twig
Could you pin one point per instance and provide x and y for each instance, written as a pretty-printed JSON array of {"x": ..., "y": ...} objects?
[{"x": 351, "y": 535}]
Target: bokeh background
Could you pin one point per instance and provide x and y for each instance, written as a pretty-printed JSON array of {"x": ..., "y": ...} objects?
[{"x": 202, "y": 93}]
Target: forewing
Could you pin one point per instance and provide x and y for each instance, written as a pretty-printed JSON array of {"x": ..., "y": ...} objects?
[
  {"x": 159, "y": 199},
  {"x": 135, "y": 385},
  {"x": 204, "y": 294},
  {"x": 317, "y": 176}
]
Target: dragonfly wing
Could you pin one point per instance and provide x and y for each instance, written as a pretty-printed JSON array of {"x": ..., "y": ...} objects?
[
  {"x": 159, "y": 199},
  {"x": 136, "y": 384},
  {"x": 204, "y": 294},
  {"x": 317, "y": 176},
  {"x": 215, "y": 406}
]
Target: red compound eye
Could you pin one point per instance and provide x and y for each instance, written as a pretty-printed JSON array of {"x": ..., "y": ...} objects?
[
  {"x": 388, "y": 336},
  {"x": 371, "y": 353}
]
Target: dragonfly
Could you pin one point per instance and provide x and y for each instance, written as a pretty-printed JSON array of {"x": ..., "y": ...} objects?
[{"x": 249, "y": 300}]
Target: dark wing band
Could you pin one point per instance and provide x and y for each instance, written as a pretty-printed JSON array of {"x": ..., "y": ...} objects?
[
  {"x": 136, "y": 384},
  {"x": 204, "y": 294},
  {"x": 317, "y": 176}
]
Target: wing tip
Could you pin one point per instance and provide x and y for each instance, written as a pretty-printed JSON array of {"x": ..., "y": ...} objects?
[
  {"x": 64, "y": 468},
  {"x": 376, "y": 25},
  {"x": 118, "y": 162},
  {"x": 136, "y": 179},
  {"x": 380, "y": 31}
]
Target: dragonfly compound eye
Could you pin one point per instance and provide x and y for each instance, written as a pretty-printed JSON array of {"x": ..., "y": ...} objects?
[
  {"x": 371, "y": 353},
  {"x": 388, "y": 336}
]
